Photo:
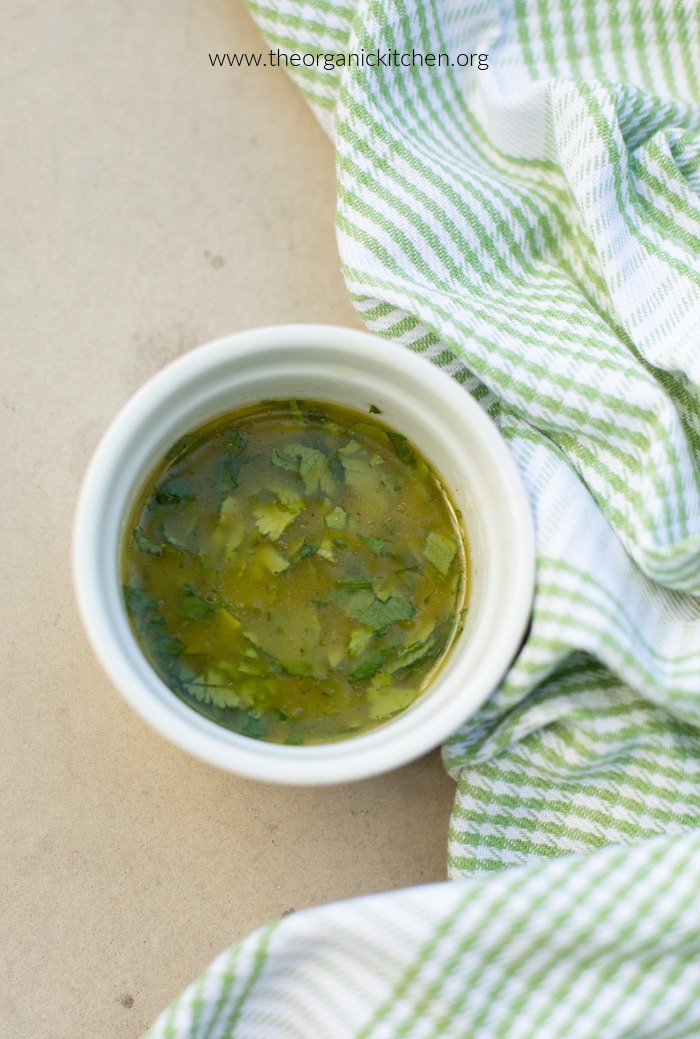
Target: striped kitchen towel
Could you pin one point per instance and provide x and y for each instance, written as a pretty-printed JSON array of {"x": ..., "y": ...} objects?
[{"x": 519, "y": 200}]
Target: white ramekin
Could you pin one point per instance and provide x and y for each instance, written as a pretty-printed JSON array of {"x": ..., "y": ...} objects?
[{"x": 314, "y": 362}]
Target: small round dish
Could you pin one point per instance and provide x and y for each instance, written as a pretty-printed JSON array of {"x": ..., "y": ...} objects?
[{"x": 356, "y": 369}]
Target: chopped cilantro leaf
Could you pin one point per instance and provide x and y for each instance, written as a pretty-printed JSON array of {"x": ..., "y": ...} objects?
[
  {"x": 235, "y": 442},
  {"x": 353, "y": 458},
  {"x": 359, "y": 640},
  {"x": 313, "y": 470},
  {"x": 272, "y": 560},
  {"x": 304, "y": 552},
  {"x": 289, "y": 500},
  {"x": 164, "y": 644},
  {"x": 146, "y": 545},
  {"x": 368, "y": 668},
  {"x": 353, "y": 583},
  {"x": 138, "y": 601},
  {"x": 337, "y": 469},
  {"x": 387, "y": 700},
  {"x": 337, "y": 519},
  {"x": 325, "y": 550},
  {"x": 272, "y": 518},
  {"x": 309, "y": 463},
  {"x": 300, "y": 669},
  {"x": 374, "y": 410},
  {"x": 253, "y": 726},
  {"x": 401, "y": 447},
  {"x": 416, "y": 653},
  {"x": 283, "y": 461},
  {"x": 417, "y": 568},
  {"x": 363, "y": 429},
  {"x": 227, "y": 476},
  {"x": 175, "y": 493},
  {"x": 296, "y": 411},
  {"x": 256, "y": 668},
  {"x": 378, "y": 545},
  {"x": 439, "y": 551},
  {"x": 379, "y": 616},
  {"x": 179, "y": 534},
  {"x": 213, "y": 687},
  {"x": 196, "y": 606}
]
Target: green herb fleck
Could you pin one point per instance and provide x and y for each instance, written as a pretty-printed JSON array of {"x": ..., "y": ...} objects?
[
  {"x": 359, "y": 640},
  {"x": 353, "y": 458},
  {"x": 415, "y": 653},
  {"x": 283, "y": 461},
  {"x": 304, "y": 552},
  {"x": 353, "y": 583},
  {"x": 212, "y": 687},
  {"x": 235, "y": 442},
  {"x": 440, "y": 551},
  {"x": 166, "y": 645},
  {"x": 253, "y": 726},
  {"x": 368, "y": 668},
  {"x": 377, "y": 545},
  {"x": 227, "y": 476},
  {"x": 196, "y": 606},
  {"x": 365, "y": 607},
  {"x": 337, "y": 519},
  {"x": 272, "y": 560},
  {"x": 309, "y": 463},
  {"x": 138, "y": 601},
  {"x": 374, "y": 410},
  {"x": 272, "y": 518},
  {"x": 296, "y": 412},
  {"x": 401, "y": 447},
  {"x": 336, "y": 467},
  {"x": 146, "y": 545},
  {"x": 175, "y": 493},
  {"x": 379, "y": 616}
]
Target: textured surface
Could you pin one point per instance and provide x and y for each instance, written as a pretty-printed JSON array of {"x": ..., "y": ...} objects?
[
  {"x": 534, "y": 229},
  {"x": 147, "y": 203}
]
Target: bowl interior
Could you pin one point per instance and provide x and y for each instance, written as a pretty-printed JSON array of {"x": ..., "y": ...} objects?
[{"x": 357, "y": 370}]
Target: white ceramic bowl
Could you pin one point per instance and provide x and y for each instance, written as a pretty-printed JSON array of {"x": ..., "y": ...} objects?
[{"x": 417, "y": 399}]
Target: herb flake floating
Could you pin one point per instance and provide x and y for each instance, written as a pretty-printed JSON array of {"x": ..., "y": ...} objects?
[{"x": 295, "y": 571}]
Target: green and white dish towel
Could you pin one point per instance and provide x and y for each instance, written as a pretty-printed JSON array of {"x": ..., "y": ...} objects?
[{"x": 534, "y": 229}]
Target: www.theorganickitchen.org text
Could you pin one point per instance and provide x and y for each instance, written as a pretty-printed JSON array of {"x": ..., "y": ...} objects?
[{"x": 330, "y": 60}]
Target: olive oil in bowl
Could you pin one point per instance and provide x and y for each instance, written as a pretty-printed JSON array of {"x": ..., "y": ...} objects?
[{"x": 295, "y": 571}]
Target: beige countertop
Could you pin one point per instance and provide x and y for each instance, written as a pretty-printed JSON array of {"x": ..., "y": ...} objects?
[{"x": 148, "y": 203}]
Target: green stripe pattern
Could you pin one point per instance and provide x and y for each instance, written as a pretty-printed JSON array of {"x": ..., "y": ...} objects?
[
  {"x": 533, "y": 229},
  {"x": 601, "y": 946}
]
